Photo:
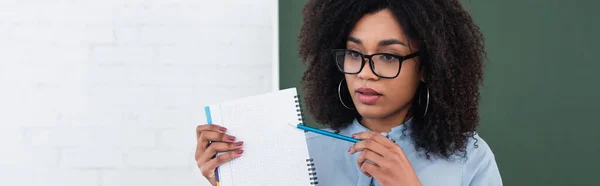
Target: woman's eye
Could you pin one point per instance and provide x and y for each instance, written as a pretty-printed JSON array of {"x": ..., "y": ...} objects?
[
  {"x": 355, "y": 54},
  {"x": 387, "y": 57}
]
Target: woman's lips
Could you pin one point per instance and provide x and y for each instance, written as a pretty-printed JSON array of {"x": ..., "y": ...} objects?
[{"x": 367, "y": 96}]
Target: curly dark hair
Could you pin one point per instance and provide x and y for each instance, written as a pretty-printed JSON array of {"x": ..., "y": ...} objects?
[{"x": 451, "y": 57}]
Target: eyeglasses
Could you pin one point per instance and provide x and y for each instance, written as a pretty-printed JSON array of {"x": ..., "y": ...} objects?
[{"x": 383, "y": 65}]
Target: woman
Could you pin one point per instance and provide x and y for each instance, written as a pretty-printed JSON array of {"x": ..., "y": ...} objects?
[{"x": 400, "y": 75}]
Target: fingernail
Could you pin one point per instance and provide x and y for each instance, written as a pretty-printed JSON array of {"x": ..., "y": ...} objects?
[
  {"x": 353, "y": 135},
  {"x": 239, "y": 143},
  {"x": 232, "y": 138},
  {"x": 239, "y": 151},
  {"x": 349, "y": 149},
  {"x": 222, "y": 129}
]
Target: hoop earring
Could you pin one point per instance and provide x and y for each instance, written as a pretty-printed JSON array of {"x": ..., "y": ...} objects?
[
  {"x": 340, "y": 95},
  {"x": 426, "y": 106}
]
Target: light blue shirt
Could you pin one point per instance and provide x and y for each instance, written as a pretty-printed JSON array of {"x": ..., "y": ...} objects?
[{"x": 336, "y": 167}]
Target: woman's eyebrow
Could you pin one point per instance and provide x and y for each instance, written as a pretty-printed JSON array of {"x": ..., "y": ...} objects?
[
  {"x": 354, "y": 40},
  {"x": 391, "y": 42},
  {"x": 386, "y": 42}
]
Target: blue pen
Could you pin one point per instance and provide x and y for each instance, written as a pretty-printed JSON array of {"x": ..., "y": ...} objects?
[{"x": 326, "y": 133}]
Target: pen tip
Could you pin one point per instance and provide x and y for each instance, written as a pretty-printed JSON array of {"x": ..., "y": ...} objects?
[{"x": 293, "y": 124}]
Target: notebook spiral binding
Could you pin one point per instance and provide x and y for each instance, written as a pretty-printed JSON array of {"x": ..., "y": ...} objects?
[
  {"x": 312, "y": 173},
  {"x": 299, "y": 110}
]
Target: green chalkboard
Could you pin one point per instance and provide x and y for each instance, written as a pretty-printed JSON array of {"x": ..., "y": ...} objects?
[
  {"x": 539, "y": 99},
  {"x": 290, "y": 67}
]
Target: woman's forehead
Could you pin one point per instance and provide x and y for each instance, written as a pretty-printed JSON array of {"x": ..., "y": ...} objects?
[{"x": 377, "y": 27}]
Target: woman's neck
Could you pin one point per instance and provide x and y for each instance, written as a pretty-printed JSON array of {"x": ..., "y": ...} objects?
[{"x": 385, "y": 124}]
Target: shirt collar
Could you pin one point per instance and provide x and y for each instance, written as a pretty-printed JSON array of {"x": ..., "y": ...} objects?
[{"x": 395, "y": 134}]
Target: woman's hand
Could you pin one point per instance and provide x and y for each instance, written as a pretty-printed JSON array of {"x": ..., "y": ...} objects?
[
  {"x": 205, "y": 150},
  {"x": 389, "y": 164}
]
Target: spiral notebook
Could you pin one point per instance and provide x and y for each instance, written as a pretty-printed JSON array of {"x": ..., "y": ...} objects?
[{"x": 275, "y": 152}]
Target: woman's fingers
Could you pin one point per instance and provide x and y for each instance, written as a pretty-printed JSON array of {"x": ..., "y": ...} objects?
[
  {"x": 211, "y": 139},
  {"x": 216, "y": 136},
  {"x": 206, "y": 134},
  {"x": 369, "y": 169},
  {"x": 371, "y": 157},
  {"x": 370, "y": 145},
  {"x": 209, "y": 127},
  {"x": 208, "y": 168},
  {"x": 217, "y": 147},
  {"x": 377, "y": 137}
]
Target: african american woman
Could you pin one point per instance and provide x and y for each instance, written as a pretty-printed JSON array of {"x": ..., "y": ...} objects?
[{"x": 402, "y": 76}]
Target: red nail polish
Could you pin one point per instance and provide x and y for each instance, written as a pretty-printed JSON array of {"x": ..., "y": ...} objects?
[
  {"x": 240, "y": 151},
  {"x": 239, "y": 143},
  {"x": 231, "y": 138},
  {"x": 222, "y": 129},
  {"x": 353, "y": 135}
]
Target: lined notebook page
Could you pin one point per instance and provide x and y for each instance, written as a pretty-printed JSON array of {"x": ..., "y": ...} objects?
[{"x": 275, "y": 153}]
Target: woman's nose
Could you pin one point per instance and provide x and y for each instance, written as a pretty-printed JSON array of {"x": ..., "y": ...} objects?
[{"x": 367, "y": 72}]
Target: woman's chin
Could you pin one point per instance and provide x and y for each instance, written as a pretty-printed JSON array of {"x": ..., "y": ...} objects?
[{"x": 370, "y": 111}]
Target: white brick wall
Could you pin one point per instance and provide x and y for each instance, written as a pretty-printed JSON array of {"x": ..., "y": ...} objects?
[{"x": 108, "y": 93}]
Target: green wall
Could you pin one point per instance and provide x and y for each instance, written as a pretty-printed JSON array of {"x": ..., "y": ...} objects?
[
  {"x": 539, "y": 98},
  {"x": 290, "y": 67}
]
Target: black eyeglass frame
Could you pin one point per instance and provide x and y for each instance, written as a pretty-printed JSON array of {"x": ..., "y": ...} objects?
[{"x": 371, "y": 63}]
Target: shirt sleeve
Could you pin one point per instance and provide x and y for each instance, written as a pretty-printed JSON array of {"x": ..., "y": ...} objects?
[{"x": 481, "y": 168}]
